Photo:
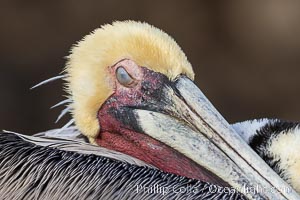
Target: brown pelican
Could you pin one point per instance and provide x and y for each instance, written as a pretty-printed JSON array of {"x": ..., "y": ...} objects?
[{"x": 131, "y": 92}]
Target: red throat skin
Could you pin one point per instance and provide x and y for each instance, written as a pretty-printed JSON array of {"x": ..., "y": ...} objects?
[{"x": 151, "y": 151}]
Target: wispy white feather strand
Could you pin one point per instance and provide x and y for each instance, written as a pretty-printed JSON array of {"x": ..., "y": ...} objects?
[
  {"x": 67, "y": 125},
  {"x": 63, "y": 113},
  {"x": 47, "y": 81},
  {"x": 61, "y": 103}
]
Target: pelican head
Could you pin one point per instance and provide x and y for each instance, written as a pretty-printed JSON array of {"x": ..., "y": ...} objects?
[{"x": 131, "y": 90}]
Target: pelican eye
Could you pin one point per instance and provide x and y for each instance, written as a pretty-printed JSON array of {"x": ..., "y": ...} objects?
[{"x": 123, "y": 77}]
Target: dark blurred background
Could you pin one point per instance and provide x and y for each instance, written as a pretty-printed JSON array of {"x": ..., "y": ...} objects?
[{"x": 246, "y": 54}]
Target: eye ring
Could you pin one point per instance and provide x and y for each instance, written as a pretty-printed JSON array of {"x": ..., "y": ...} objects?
[{"x": 123, "y": 77}]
